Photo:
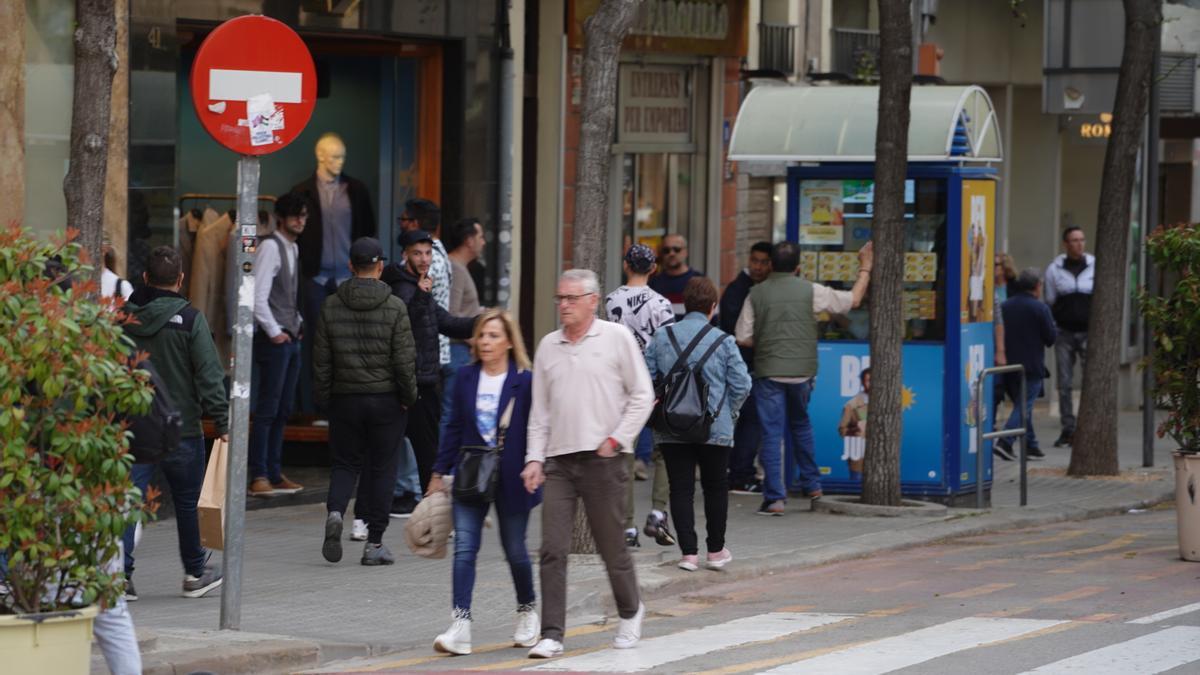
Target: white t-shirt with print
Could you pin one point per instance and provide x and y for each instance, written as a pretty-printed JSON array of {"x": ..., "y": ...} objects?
[
  {"x": 487, "y": 405},
  {"x": 641, "y": 310}
]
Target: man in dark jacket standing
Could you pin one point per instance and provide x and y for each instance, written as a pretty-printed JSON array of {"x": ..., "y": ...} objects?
[
  {"x": 181, "y": 348},
  {"x": 1028, "y": 330},
  {"x": 1067, "y": 288},
  {"x": 364, "y": 372},
  {"x": 412, "y": 284},
  {"x": 747, "y": 435}
]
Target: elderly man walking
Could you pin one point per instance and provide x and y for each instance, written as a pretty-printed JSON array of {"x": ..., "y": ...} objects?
[{"x": 591, "y": 396}]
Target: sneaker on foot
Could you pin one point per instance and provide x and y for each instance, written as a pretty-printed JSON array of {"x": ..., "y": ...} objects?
[
  {"x": 198, "y": 587},
  {"x": 377, "y": 554},
  {"x": 285, "y": 486},
  {"x": 631, "y": 539},
  {"x": 358, "y": 530},
  {"x": 1064, "y": 439},
  {"x": 529, "y": 628},
  {"x": 751, "y": 487},
  {"x": 657, "y": 528},
  {"x": 457, "y": 638},
  {"x": 402, "y": 506},
  {"x": 332, "y": 547},
  {"x": 629, "y": 631},
  {"x": 715, "y": 561},
  {"x": 691, "y": 563},
  {"x": 814, "y": 494},
  {"x": 640, "y": 472},
  {"x": 774, "y": 508},
  {"x": 130, "y": 592},
  {"x": 1002, "y": 448},
  {"x": 260, "y": 487},
  {"x": 546, "y": 649},
  {"x": 1034, "y": 454}
]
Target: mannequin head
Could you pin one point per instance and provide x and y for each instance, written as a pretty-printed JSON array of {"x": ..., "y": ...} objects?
[{"x": 331, "y": 155}]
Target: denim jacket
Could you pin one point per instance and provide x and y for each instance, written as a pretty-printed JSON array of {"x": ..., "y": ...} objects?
[{"x": 725, "y": 371}]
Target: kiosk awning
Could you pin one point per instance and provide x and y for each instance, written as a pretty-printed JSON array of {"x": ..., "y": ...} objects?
[{"x": 837, "y": 124}]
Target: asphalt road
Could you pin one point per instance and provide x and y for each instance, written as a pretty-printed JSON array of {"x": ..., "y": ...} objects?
[{"x": 1102, "y": 596}]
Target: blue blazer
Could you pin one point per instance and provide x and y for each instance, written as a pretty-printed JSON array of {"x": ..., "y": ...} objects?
[{"x": 511, "y": 495}]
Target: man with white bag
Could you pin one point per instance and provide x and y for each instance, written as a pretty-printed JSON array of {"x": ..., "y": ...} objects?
[{"x": 181, "y": 348}]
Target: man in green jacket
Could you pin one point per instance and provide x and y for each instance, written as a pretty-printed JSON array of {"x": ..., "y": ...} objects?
[
  {"x": 181, "y": 348},
  {"x": 364, "y": 372}
]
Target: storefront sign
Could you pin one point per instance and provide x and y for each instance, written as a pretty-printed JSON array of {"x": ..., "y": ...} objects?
[
  {"x": 654, "y": 105},
  {"x": 704, "y": 27}
]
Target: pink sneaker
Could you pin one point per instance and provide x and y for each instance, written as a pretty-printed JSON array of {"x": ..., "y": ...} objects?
[
  {"x": 690, "y": 563},
  {"x": 719, "y": 559}
]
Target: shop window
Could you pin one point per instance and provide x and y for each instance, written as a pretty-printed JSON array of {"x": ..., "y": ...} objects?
[
  {"x": 656, "y": 197},
  {"x": 49, "y": 90},
  {"x": 835, "y": 221}
]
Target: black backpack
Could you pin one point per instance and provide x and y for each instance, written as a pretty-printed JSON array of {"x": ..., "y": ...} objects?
[
  {"x": 681, "y": 409},
  {"x": 155, "y": 434}
]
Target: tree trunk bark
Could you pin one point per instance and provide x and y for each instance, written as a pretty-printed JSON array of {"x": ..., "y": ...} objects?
[
  {"x": 95, "y": 64},
  {"x": 881, "y": 472},
  {"x": 603, "y": 34},
  {"x": 1094, "y": 448}
]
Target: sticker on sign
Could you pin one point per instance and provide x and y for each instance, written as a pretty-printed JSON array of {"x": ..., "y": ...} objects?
[{"x": 243, "y": 85}]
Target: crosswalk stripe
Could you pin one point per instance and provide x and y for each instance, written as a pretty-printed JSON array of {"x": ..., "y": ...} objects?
[
  {"x": 1147, "y": 655},
  {"x": 1168, "y": 614},
  {"x": 919, "y": 646},
  {"x": 686, "y": 644}
]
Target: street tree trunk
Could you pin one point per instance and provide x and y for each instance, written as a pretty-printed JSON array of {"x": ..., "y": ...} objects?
[
  {"x": 1094, "y": 448},
  {"x": 881, "y": 472},
  {"x": 603, "y": 33},
  {"x": 95, "y": 65}
]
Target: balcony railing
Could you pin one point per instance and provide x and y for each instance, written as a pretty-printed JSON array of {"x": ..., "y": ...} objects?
[
  {"x": 856, "y": 52},
  {"x": 777, "y": 47}
]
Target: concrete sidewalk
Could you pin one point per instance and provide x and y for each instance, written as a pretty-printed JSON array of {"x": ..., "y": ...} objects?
[{"x": 299, "y": 611}]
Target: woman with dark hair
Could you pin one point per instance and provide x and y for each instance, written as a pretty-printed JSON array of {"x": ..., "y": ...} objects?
[{"x": 717, "y": 356}]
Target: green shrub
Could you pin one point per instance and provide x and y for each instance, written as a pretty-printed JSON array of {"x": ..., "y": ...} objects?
[{"x": 65, "y": 379}]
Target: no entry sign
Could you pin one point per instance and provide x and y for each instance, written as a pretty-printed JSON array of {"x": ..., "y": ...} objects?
[{"x": 253, "y": 85}]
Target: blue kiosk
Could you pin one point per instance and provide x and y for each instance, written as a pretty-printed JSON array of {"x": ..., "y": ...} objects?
[{"x": 825, "y": 136}]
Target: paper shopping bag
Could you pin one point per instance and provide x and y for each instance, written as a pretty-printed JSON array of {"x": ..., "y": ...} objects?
[{"x": 211, "y": 506}]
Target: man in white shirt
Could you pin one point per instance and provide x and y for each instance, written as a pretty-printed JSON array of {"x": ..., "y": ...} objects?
[
  {"x": 276, "y": 347},
  {"x": 591, "y": 397}
]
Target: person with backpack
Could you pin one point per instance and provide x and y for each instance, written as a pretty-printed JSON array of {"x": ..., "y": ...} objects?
[
  {"x": 701, "y": 389},
  {"x": 179, "y": 342}
]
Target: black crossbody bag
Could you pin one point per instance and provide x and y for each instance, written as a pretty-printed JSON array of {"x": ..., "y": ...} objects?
[{"x": 477, "y": 472}]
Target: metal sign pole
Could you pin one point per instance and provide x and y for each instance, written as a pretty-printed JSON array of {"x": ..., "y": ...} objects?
[{"x": 242, "y": 245}]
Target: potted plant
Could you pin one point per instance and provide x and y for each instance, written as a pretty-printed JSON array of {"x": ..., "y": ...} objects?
[
  {"x": 1174, "y": 320},
  {"x": 66, "y": 496}
]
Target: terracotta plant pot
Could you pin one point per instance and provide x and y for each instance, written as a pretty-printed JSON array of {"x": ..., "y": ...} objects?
[{"x": 50, "y": 642}]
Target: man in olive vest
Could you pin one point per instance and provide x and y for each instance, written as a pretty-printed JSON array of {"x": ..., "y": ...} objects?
[{"x": 780, "y": 322}]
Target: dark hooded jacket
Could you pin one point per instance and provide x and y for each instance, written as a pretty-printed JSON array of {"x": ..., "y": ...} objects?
[
  {"x": 428, "y": 319},
  {"x": 181, "y": 347},
  {"x": 364, "y": 344}
]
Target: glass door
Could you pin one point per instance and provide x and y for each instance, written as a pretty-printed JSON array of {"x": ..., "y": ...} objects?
[{"x": 656, "y": 197}]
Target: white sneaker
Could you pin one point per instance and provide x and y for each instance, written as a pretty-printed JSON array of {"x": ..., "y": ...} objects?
[
  {"x": 629, "y": 631},
  {"x": 358, "y": 531},
  {"x": 456, "y": 639},
  {"x": 529, "y": 628},
  {"x": 546, "y": 649}
]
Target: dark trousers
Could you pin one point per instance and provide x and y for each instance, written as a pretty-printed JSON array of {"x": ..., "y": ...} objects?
[
  {"x": 1069, "y": 347},
  {"x": 184, "y": 473},
  {"x": 600, "y": 483},
  {"x": 273, "y": 385},
  {"x": 424, "y": 419},
  {"x": 1033, "y": 389},
  {"x": 682, "y": 460},
  {"x": 365, "y": 435},
  {"x": 312, "y": 297},
  {"x": 747, "y": 436}
]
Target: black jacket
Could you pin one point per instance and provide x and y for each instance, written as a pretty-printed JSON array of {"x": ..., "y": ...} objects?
[
  {"x": 1028, "y": 330},
  {"x": 364, "y": 344},
  {"x": 362, "y": 220},
  {"x": 731, "y": 307},
  {"x": 428, "y": 319}
]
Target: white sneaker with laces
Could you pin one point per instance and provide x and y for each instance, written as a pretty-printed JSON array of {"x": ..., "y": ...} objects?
[
  {"x": 629, "y": 631},
  {"x": 546, "y": 649},
  {"x": 529, "y": 628},
  {"x": 456, "y": 639},
  {"x": 358, "y": 530}
]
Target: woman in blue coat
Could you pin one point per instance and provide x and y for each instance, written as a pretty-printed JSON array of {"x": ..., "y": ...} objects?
[{"x": 483, "y": 390}]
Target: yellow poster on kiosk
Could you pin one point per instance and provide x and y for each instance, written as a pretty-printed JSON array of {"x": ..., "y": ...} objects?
[{"x": 978, "y": 247}]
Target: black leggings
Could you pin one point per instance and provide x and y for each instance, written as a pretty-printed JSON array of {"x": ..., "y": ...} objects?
[{"x": 713, "y": 460}]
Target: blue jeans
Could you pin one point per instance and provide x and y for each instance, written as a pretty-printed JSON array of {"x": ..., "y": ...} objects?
[
  {"x": 273, "y": 385},
  {"x": 408, "y": 481},
  {"x": 645, "y": 444},
  {"x": 747, "y": 436},
  {"x": 1033, "y": 389},
  {"x": 460, "y": 355},
  {"x": 184, "y": 472},
  {"x": 783, "y": 409},
  {"x": 468, "y": 529}
]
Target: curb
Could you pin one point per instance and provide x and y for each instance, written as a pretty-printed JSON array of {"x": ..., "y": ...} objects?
[{"x": 851, "y": 506}]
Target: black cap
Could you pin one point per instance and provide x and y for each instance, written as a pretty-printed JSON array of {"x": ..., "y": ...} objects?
[
  {"x": 365, "y": 251},
  {"x": 415, "y": 236}
]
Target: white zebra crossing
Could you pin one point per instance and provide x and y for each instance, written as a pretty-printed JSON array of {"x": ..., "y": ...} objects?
[
  {"x": 659, "y": 651},
  {"x": 1168, "y": 614},
  {"x": 1146, "y": 655}
]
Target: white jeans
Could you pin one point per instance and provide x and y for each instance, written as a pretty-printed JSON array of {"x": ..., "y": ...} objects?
[{"x": 114, "y": 634}]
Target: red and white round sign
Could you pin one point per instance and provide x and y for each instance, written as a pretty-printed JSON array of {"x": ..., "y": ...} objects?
[{"x": 253, "y": 85}]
